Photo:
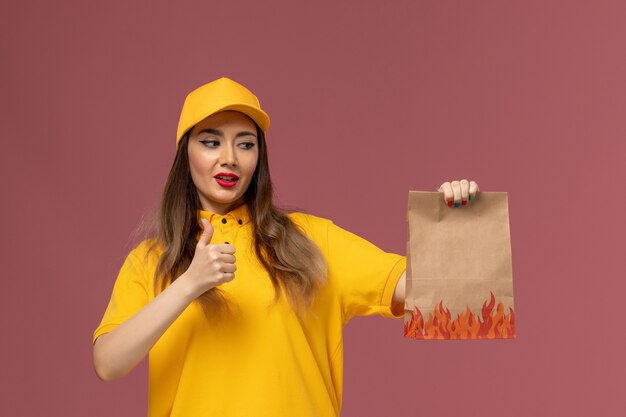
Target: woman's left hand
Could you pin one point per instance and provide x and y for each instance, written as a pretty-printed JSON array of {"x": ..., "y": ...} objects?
[{"x": 457, "y": 193}]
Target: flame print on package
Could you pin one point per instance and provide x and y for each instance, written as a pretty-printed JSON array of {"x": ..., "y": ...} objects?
[{"x": 491, "y": 325}]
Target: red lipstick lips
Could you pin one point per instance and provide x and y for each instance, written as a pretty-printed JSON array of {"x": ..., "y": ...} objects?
[{"x": 226, "y": 179}]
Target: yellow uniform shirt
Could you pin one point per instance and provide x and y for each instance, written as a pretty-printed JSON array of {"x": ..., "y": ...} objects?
[{"x": 267, "y": 362}]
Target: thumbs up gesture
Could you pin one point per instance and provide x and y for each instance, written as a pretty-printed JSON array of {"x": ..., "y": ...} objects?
[{"x": 212, "y": 264}]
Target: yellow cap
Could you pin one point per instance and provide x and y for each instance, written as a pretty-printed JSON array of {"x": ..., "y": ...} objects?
[{"x": 218, "y": 95}]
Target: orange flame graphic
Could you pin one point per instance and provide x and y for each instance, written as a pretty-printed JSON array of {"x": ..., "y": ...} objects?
[{"x": 494, "y": 325}]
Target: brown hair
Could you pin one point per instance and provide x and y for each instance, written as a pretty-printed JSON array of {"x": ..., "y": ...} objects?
[{"x": 294, "y": 262}]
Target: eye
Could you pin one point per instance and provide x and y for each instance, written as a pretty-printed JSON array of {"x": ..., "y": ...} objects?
[
  {"x": 210, "y": 143},
  {"x": 247, "y": 145}
]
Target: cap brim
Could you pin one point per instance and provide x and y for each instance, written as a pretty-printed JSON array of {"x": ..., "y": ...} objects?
[{"x": 259, "y": 116}]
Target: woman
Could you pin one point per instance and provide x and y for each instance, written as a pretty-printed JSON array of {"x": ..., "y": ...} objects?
[{"x": 259, "y": 333}]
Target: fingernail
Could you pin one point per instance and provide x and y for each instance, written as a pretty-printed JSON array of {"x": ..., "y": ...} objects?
[
  {"x": 471, "y": 197},
  {"x": 457, "y": 204},
  {"x": 464, "y": 202},
  {"x": 450, "y": 203}
]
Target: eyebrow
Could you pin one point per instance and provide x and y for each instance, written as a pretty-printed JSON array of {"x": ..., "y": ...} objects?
[{"x": 221, "y": 134}]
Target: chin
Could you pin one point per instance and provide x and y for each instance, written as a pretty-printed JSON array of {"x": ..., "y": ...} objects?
[{"x": 221, "y": 198}]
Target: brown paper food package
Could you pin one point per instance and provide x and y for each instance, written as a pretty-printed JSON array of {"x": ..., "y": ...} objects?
[{"x": 459, "y": 280}]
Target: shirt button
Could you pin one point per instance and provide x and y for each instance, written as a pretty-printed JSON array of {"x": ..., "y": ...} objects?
[
  {"x": 224, "y": 220},
  {"x": 239, "y": 221}
]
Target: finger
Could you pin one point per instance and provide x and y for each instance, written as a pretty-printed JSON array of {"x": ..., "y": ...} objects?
[
  {"x": 456, "y": 189},
  {"x": 228, "y": 268},
  {"x": 225, "y": 248},
  {"x": 448, "y": 195},
  {"x": 464, "y": 191},
  {"x": 473, "y": 188},
  {"x": 225, "y": 257},
  {"x": 207, "y": 233},
  {"x": 228, "y": 276}
]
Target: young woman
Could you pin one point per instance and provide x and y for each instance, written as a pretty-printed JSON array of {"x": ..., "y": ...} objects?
[{"x": 239, "y": 304}]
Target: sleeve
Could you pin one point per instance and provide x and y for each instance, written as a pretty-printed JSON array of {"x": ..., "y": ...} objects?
[
  {"x": 365, "y": 275},
  {"x": 129, "y": 295}
]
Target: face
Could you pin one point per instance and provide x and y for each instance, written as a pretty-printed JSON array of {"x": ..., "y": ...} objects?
[{"x": 223, "y": 145}]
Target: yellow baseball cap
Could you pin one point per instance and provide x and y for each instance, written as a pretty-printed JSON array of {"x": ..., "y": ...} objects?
[{"x": 218, "y": 95}]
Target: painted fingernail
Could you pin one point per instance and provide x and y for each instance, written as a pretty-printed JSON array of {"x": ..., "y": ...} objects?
[
  {"x": 457, "y": 204},
  {"x": 464, "y": 202},
  {"x": 471, "y": 197},
  {"x": 450, "y": 203}
]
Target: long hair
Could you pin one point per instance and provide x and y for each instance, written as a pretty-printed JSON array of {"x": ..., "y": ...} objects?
[{"x": 294, "y": 263}]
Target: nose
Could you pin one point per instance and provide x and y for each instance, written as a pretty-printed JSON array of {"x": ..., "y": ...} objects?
[{"x": 227, "y": 155}]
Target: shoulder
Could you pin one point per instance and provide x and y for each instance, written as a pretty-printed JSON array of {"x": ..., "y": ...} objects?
[
  {"x": 308, "y": 220},
  {"x": 147, "y": 252},
  {"x": 314, "y": 227}
]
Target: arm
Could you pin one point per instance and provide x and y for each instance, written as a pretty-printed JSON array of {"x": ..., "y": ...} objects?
[
  {"x": 117, "y": 353},
  {"x": 397, "y": 302}
]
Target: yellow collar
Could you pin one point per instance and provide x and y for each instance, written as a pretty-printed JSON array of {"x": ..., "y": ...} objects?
[{"x": 239, "y": 215}]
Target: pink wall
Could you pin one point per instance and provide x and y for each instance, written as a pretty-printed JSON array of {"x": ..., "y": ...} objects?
[{"x": 523, "y": 97}]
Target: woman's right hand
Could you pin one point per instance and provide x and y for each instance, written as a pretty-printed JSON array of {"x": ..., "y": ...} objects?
[{"x": 212, "y": 264}]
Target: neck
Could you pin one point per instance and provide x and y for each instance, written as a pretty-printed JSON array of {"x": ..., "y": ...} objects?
[{"x": 220, "y": 208}]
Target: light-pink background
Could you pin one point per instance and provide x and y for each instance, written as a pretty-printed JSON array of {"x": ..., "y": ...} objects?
[{"x": 368, "y": 100}]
